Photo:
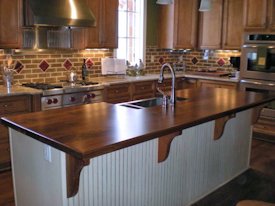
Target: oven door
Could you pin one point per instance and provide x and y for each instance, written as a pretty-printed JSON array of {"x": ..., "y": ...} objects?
[{"x": 258, "y": 62}]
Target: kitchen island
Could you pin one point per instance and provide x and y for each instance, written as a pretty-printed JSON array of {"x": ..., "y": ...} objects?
[{"x": 103, "y": 154}]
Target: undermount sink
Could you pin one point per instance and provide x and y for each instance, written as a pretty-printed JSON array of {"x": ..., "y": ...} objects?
[{"x": 146, "y": 103}]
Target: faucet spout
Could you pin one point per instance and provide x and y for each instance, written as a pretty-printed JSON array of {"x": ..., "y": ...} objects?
[{"x": 172, "y": 99}]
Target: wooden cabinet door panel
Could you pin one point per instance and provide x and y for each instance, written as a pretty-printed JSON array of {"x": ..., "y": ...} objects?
[
  {"x": 271, "y": 16},
  {"x": 232, "y": 24},
  {"x": 10, "y": 23},
  {"x": 211, "y": 26},
  {"x": 110, "y": 26},
  {"x": 4, "y": 135},
  {"x": 255, "y": 14},
  {"x": 92, "y": 36},
  {"x": 186, "y": 21},
  {"x": 5, "y": 155}
]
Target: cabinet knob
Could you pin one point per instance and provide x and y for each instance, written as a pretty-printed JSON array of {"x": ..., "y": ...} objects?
[{"x": 5, "y": 105}]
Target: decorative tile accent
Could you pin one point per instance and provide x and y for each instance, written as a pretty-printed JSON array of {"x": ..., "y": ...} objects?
[
  {"x": 89, "y": 63},
  {"x": 221, "y": 62},
  {"x": 18, "y": 67},
  {"x": 67, "y": 64},
  {"x": 44, "y": 65},
  {"x": 195, "y": 60},
  {"x": 161, "y": 60}
]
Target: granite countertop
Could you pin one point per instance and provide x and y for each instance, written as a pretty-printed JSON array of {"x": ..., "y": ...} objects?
[
  {"x": 118, "y": 79},
  {"x": 18, "y": 90}
]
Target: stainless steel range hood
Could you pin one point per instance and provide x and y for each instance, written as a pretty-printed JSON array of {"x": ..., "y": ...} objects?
[{"x": 70, "y": 13}]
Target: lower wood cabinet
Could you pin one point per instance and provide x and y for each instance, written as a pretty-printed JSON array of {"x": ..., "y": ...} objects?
[
  {"x": 143, "y": 90},
  {"x": 217, "y": 84},
  {"x": 117, "y": 93},
  {"x": 13, "y": 105}
]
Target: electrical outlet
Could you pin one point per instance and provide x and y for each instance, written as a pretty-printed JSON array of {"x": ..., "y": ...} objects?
[{"x": 47, "y": 150}]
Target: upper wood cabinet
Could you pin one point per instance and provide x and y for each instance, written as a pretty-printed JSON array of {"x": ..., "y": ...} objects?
[
  {"x": 221, "y": 27},
  {"x": 105, "y": 33},
  {"x": 177, "y": 25},
  {"x": 10, "y": 24},
  {"x": 259, "y": 15}
]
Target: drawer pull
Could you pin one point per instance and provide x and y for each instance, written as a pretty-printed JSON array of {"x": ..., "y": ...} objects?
[{"x": 5, "y": 105}]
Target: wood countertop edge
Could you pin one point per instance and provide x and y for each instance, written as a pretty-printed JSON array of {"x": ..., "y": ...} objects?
[{"x": 125, "y": 143}]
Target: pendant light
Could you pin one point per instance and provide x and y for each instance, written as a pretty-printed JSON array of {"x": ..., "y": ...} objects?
[
  {"x": 164, "y": 2},
  {"x": 205, "y": 5}
]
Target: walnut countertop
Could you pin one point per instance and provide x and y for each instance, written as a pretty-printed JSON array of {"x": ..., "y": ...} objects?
[{"x": 91, "y": 130}]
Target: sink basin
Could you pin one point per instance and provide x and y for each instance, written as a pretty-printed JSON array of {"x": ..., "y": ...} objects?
[{"x": 146, "y": 103}]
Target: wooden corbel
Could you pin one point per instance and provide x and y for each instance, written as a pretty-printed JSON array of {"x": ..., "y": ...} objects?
[
  {"x": 73, "y": 169},
  {"x": 164, "y": 143},
  {"x": 220, "y": 124},
  {"x": 256, "y": 113}
]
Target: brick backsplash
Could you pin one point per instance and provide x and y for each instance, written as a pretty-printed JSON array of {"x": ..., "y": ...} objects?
[
  {"x": 57, "y": 71},
  {"x": 218, "y": 59}
]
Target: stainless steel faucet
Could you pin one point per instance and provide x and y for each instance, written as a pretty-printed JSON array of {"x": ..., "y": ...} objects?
[{"x": 172, "y": 99}]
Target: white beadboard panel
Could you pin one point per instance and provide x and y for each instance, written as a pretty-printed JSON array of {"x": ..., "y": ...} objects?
[
  {"x": 195, "y": 166},
  {"x": 36, "y": 181}
]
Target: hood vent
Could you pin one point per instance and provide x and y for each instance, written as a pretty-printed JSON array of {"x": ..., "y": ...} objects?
[{"x": 58, "y": 13}]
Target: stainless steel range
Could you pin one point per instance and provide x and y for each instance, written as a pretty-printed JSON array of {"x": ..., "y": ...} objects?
[{"x": 67, "y": 94}]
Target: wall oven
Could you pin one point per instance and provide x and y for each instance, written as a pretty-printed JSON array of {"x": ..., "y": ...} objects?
[{"x": 258, "y": 57}]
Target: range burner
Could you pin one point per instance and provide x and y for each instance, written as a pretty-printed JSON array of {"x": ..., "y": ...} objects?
[{"x": 43, "y": 86}]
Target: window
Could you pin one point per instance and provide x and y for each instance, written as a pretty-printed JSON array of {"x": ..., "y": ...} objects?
[{"x": 131, "y": 38}]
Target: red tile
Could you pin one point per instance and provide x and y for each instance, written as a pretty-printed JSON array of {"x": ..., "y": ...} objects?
[
  {"x": 221, "y": 62},
  {"x": 89, "y": 63},
  {"x": 18, "y": 66},
  {"x": 161, "y": 60},
  {"x": 44, "y": 65},
  {"x": 67, "y": 64},
  {"x": 195, "y": 60}
]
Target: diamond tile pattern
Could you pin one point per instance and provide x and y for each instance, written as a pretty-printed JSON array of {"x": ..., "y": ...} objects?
[
  {"x": 18, "y": 67},
  {"x": 89, "y": 63},
  {"x": 67, "y": 64},
  {"x": 195, "y": 60},
  {"x": 161, "y": 60},
  {"x": 44, "y": 65},
  {"x": 221, "y": 62}
]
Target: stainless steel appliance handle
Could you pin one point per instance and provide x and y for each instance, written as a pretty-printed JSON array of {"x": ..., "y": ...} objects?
[
  {"x": 257, "y": 45},
  {"x": 255, "y": 82}
]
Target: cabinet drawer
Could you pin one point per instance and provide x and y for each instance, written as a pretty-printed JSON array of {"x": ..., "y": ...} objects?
[
  {"x": 143, "y": 87},
  {"x": 15, "y": 104},
  {"x": 4, "y": 154},
  {"x": 118, "y": 90}
]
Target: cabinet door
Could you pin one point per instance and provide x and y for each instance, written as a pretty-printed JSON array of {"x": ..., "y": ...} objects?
[
  {"x": 272, "y": 15},
  {"x": 255, "y": 14},
  {"x": 109, "y": 30},
  {"x": 232, "y": 24},
  {"x": 210, "y": 31},
  {"x": 10, "y": 24},
  {"x": 185, "y": 23},
  {"x": 177, "y": 24}
]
